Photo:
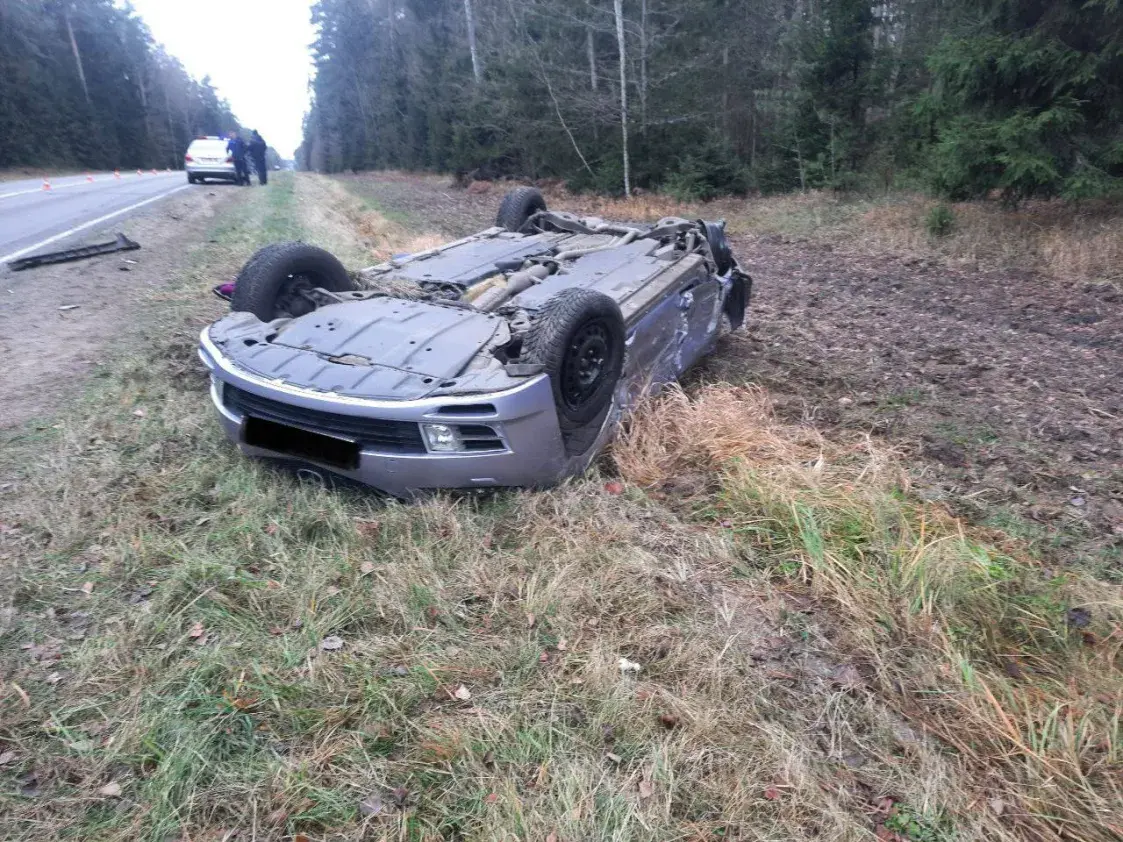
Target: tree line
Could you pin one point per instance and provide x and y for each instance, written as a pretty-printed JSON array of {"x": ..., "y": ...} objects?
[
  {"x": 700, "y": 97},
  {"x": 83, "y": 84}
]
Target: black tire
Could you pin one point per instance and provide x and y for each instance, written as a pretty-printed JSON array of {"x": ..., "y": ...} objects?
[
  {"x": 578, "y": 339},
  {"x": 268, "y": 284},
  {"x": 719, "y": 246},
  {"x": 518, "y": 206},
  {"x": 190, "y": 179}
]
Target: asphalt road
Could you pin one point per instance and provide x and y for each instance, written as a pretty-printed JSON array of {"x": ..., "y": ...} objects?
[{"x": 34, "y": 220}]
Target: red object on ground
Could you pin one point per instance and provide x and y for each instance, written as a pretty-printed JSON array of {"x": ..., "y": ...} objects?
[{"x": 46, "y": 184}]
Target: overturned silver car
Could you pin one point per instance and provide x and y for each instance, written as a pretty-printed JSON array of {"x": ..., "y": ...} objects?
[{"x": 506, "y": 358}]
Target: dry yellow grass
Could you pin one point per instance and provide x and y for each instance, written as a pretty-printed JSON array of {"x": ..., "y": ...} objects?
[
  {"x": 339, "y": 221},
  {"x": 968, "y": 642},
  {"x": 645, "y": 207},
  {"x": 680, "y": 434},
  {"x": 1068, "y": 241},
  {"x": 1065, "y": 241}
]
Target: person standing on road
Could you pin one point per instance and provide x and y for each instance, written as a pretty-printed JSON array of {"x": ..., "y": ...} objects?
[
  {"x": 257, "y": 153},
  {"x": 236, "y": 148}
]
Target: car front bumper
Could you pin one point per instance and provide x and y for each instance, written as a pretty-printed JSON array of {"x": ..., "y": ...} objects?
[{"x": 529, "y": 452}]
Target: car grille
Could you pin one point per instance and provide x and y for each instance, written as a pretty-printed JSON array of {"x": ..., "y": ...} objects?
[{"x": 374, "y": 433}]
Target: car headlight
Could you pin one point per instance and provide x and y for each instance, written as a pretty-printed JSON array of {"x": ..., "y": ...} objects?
[{"x": 442, "y": 438}]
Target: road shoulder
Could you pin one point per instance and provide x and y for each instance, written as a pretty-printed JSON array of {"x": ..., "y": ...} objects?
[{"x": 57, "y": 321}]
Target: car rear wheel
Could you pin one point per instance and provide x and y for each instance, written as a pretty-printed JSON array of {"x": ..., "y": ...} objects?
[
  {"x": 518, "y": 206},
  {"x": 274, "y": 282},
  {"x": 578, "y": 339}
]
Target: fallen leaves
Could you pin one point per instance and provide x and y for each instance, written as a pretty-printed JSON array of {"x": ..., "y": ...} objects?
[
  {"x": 331, "y": 643},
  {"x": 197, "y": 631},
  {"x": 1078, "y": 618},
  {"x": 29, "y": 786},
  {"x": 847, "y": 677},
  {"x": 614, "y": 488},
  {"x": 87, "y": 588},
  {"x": 369, "y": 529},
  {"x": 771, "y": 792},
  {"x": 8, "y": 757},
  {"x": 110, "y": 790},
  {"x": 366, "y": 568},
  {"x": 646, "y": 786},
  {"x": 463, "y": 693}
]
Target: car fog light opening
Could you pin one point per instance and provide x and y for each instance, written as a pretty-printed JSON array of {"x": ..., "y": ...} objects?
[{"x": 442, "y": 438}]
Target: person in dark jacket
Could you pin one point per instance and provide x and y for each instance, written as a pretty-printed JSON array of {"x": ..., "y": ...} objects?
[
  {"x": 236, "y": 148},
  {"x": 257, "y": 154}
]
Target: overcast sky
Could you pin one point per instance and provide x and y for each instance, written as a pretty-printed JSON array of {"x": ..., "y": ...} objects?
[{"x": 255, "y": 51}]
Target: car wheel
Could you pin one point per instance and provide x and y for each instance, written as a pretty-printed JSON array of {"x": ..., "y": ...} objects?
[
  {"x": 190, "y": 179},
  {"x": 578, "y": 339},
  {"x": 272, "y": 283},
  {"x": 719, "y": 246},
  {"x": 518, "y": 206}
]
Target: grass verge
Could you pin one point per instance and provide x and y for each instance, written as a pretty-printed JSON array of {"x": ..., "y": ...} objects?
[{"x": 751, "y": 633}]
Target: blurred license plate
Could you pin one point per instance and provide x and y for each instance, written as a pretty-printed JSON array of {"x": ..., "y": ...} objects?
[{"x": 304, "y": 444}]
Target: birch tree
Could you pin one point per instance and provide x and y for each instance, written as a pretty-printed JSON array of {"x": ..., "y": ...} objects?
[
  {"x": 77, "y": 55},
  {"x": 477, "y": 68},
  {"x": 619, "y": 9}
]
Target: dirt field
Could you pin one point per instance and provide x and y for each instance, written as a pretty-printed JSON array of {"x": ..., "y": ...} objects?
[
  {"x": 1005, "y": 387},
  {"x": 55, "y": 321}
]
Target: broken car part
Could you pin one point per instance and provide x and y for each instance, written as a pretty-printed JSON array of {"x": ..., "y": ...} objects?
[{"x": 122, "y": 243}]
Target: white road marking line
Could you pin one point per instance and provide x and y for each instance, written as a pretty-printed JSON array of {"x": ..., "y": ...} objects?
[
  {"x": 55, "y": 187},
  {"x": 89, "y": 224}
]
